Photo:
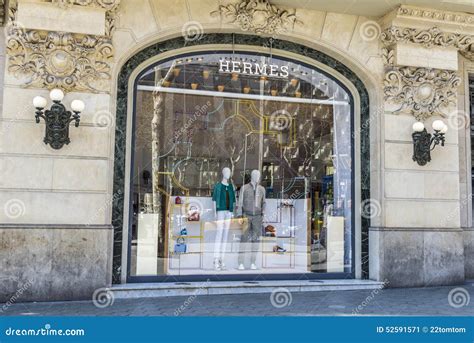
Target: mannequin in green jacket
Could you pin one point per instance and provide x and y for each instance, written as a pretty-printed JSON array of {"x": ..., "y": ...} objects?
[{"x": 223, "y": 198}]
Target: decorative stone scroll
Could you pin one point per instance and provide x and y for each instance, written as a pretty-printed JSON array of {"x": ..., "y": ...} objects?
[
  {"x": 428, "y": 38},
  {"x": 258, "y": 16},
  {"x": 108, "y": 5},
  {"x": 438, "y": 15},
  {"x": 70, "y": 61},
  {"x": 421, "y": 91},
  {"x": 59, "y": 59}
]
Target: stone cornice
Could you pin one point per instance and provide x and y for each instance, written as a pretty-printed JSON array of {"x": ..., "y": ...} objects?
[
  {"x": 428, "y": 38},
  {"x": 438, "y": 15}
]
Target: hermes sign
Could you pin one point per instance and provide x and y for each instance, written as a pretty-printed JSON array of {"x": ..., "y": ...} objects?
[{"x": 253, "y": 68}]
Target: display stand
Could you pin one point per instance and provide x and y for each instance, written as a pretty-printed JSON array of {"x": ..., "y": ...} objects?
[
  {"x": 147, "y": 244},
  {"x": 185, "y": 260},
  {"x": 335, "y": 244}
]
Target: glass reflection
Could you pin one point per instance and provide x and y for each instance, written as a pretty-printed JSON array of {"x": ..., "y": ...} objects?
[{"x": 240, "y": 170}]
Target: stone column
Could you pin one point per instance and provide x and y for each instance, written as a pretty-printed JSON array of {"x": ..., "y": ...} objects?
[{"x": 57, "y": 203}]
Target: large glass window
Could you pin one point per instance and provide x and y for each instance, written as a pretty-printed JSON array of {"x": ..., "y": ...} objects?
[{"x": 242, "y": 164}]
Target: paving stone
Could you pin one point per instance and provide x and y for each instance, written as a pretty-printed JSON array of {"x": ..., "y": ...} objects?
[{"x": 402, "y": 301}]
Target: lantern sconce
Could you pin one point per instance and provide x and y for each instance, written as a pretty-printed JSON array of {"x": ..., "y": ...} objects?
[
  {"x": 57, "y": 118},
  {"x": 424, "y": 142}
]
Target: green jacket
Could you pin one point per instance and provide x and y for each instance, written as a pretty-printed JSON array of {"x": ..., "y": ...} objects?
[{"x": 219, "y": 195}]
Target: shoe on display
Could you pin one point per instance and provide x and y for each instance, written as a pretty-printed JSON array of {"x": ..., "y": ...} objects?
[
  {"x": 279, "y": 249},
  {"x": 241, "y": 267},
  {"x": 253, "y": 266}
]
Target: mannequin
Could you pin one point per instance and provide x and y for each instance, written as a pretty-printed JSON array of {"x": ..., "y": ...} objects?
[
  {"x": 223, "y": 198},
  {"x": 252, "y": 204}
]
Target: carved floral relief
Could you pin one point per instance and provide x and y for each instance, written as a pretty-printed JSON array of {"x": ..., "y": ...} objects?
[
  {"x": 258, "y": 16},
  {"x": 70, "y": 61},
  {"x": 421, "y": 91}
]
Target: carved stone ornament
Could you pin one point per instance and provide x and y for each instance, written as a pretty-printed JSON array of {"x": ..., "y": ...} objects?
[
  {"x": 47, "y": 59},
  {"x": 258, "y": 16},
  {"x": 2, "y": 12},
  {"x": 423, "y": 92},
  {"x": 428, "y": 38},
  {"x": 425, "y": 13},
  {"x": 388, "y": 56}
]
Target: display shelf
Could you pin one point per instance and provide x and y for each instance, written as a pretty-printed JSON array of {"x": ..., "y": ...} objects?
[
  {"x": 277, "y": 237},
  {"x": 186, "y": 236},
  {"x": 178, "y": 225},
  {"x": 200, "y": 239}
]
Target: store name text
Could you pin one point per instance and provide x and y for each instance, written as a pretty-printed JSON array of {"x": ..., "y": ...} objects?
[{"x": 253, "y": 68}]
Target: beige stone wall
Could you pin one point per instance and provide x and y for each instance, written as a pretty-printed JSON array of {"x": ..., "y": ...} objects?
[
  {"x": 70, "y": 185},
  {"x": 77, "y": 179},
  {"x": 40, "y": 185}
]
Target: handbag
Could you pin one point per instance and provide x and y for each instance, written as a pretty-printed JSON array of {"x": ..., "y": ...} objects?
[
  {"x": 178, "y": 201},
  {"x": 180, "y": 246},
  {"x": 193, "y": 214},
  {"x": 270, "y": 231},
  {"x": 183, "y": 232}
]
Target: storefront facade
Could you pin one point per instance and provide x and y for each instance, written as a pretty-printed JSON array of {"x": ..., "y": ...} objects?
[{"x": 235, "y": 141}]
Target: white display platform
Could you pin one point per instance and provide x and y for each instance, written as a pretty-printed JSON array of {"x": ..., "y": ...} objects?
[
  {"x": 201, "y": 236},
  {"x": 335, "y": 244},
  {"x": 147, "y": 244}
]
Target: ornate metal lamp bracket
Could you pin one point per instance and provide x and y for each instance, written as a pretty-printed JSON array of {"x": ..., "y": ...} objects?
[
  {"x": 57, "y": 118},
  {"x": 424, "y": 142}
]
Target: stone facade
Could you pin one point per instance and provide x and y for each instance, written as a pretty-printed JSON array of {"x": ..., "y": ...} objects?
[{"x": 421, "y": 218}]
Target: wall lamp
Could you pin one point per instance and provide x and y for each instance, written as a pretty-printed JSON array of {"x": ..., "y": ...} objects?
[
  {"x": 57, "y": 118},
  {"x": 424, "y": 142}
]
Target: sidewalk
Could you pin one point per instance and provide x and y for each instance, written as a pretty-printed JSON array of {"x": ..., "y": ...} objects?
[{"x": 436, "y": 301}]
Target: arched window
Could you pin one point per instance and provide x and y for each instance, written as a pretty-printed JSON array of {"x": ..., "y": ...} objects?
[{"x": 242, "y": 164}]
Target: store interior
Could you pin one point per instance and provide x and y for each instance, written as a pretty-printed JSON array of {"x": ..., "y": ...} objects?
[{"x": 201, "y": 130}]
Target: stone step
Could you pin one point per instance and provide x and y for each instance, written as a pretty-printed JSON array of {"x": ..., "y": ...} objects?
[{"x": 172, "y": 289}]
